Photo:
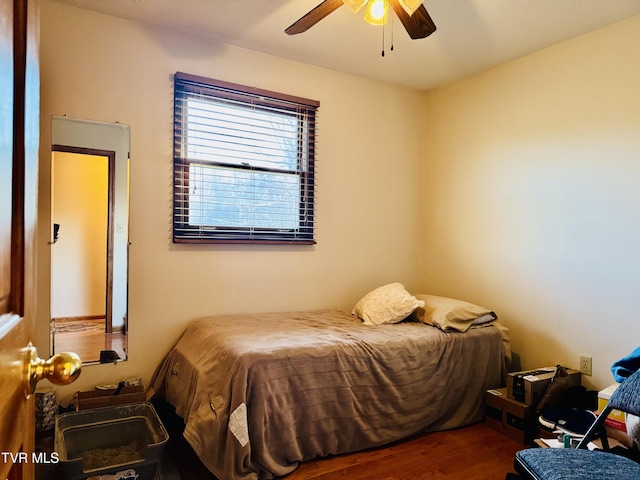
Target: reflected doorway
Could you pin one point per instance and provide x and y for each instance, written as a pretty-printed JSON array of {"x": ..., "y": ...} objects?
[{"x": 82, "y": 193}]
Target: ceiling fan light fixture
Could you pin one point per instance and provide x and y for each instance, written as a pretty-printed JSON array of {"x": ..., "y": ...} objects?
[
  {"x": 377, "y": 12},
  {"x": 410, "y": 6},
  {"x": 354, "y": 5}
]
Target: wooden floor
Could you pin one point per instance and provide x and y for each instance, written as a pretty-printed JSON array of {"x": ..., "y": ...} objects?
[{"x": 470, "y": 453}]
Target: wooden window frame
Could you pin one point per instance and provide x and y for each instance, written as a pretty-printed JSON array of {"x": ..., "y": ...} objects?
[{"x": 305, "y": 112}]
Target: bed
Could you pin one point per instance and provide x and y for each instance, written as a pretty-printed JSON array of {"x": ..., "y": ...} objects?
[{"x": 261, "y": 393}]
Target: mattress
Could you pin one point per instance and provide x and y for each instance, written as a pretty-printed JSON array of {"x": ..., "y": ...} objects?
[{"x": 261, "y": 393}]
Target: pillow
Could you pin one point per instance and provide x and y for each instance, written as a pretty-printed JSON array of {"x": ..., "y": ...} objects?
[
  {"x": 451, "y": 314},
  {"x": 387, "y": 304}
]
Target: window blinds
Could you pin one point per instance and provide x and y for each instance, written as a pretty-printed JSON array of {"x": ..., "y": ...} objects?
[{"x": 243, "y": 164}]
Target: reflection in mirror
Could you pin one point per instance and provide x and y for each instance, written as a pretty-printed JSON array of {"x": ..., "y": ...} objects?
[{"x": 89, "y": 239}]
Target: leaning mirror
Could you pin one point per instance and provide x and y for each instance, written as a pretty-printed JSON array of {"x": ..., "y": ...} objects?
[{"x": 89, "y": 239}]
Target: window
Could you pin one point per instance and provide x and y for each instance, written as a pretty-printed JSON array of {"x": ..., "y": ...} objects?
[{"x": 243, "y": 164}]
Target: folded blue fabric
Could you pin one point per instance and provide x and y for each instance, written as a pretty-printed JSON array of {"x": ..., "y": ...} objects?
[{"x": 626, "y": 366}]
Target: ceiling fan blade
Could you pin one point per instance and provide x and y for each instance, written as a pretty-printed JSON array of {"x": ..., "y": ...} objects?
[
  {"x": 418, "y": 25},
  {"x": 314, "y": 16}
]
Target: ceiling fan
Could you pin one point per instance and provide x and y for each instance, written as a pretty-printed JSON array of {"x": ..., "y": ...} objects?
[{"x": 412, "y": 15}]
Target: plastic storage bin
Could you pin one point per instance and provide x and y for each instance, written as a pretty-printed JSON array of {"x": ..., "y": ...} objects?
[{"x": 125, "y": 441}]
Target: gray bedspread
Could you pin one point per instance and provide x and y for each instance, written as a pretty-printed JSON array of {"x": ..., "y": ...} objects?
[{"x": 261, "y": 393}]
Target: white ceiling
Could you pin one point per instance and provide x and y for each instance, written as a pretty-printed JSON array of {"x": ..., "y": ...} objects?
[{"x": 472, "y": 35}]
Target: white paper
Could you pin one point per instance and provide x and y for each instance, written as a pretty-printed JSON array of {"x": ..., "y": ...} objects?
[{"x": 238, "y": 424}]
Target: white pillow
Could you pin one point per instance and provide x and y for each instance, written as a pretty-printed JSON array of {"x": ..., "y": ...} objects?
[
  {"x": 387, "y": 304},
  {"x": 451, "y": 314}
]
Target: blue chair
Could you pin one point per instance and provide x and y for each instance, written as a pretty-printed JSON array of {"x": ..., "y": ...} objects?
[{"x": 580, "y": 463}]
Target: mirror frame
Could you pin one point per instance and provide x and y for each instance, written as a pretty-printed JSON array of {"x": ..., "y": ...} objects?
[{"x": 73, "y": 135}]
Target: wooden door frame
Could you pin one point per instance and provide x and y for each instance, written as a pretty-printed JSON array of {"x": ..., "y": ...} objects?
[
  {"x": 111, "y": 159},
  {"x": 17, "y": 306},
  {"x": 16, "y": 295}
]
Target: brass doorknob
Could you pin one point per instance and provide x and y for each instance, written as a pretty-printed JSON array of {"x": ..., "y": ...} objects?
[{"x": 61, "y": 369}]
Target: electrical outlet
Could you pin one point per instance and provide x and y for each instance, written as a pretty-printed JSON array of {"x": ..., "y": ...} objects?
[{"x": 585, "y": 365}]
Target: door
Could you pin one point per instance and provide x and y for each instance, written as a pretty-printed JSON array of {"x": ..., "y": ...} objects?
[{"x": 19, "y": 133}]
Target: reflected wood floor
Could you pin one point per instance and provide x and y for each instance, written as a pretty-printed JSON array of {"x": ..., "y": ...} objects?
[
  {"x": 88, "y": 343},
  {"x": 475, "y": 452}
]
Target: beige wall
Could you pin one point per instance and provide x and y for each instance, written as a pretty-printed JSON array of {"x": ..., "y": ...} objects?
[
  {"x": 531, "y": 202},
  {"x": 106, "y": 69}
]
